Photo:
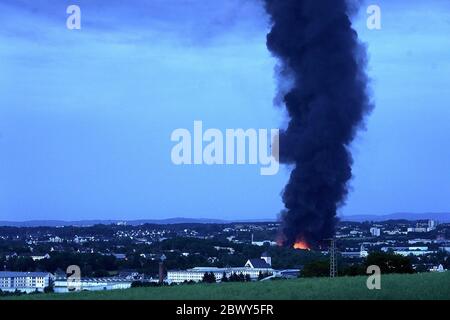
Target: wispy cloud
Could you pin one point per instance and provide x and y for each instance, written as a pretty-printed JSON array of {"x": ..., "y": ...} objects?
[{"x": 193, "y": 21}]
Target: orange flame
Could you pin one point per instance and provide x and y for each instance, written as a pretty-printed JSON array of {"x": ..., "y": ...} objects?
[{"x": 301, "y": 245}]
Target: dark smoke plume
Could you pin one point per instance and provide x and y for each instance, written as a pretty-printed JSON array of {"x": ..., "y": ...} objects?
[{"x": 326, "y": 102}]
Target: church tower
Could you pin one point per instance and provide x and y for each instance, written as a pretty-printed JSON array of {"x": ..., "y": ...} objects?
[{"x": 265, "y": 256}]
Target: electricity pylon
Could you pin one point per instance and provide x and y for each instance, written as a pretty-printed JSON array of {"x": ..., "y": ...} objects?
[{"x": 333, "y": 260}]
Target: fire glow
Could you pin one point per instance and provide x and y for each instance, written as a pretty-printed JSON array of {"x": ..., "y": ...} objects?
[
  {"x": 301, "y": 245},
  {"x": 298, "y": 245}
]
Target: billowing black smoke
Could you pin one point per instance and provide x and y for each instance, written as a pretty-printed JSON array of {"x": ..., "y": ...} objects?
[{"x": 326, "y": 102}]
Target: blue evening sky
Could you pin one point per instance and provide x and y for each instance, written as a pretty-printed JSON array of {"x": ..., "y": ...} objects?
[{"x": 86, "y": 116}]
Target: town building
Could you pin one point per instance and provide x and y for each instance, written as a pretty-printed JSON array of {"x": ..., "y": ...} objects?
[
  {"x": 55, "y": 239},
  {"x": 265, "y": 262},
  {"x": 263, "y": 242},
  {"x": 432, "y": 224},
  {"x": 376, "y": 232},
  {"x": 417, "y": 229},
  {"x": 40, "y": 257},
  {"x": 439, "y": 268},
  {"x": 354, "y": 253},
  {"x": 408, "y": 251},
  {"x": 24, "y": 281}
]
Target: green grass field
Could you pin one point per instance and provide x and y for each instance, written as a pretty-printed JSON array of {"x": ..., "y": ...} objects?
[{"x": 416, "y": 286}]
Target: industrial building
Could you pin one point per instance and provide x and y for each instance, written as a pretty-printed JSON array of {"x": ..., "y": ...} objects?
[
  {"x": 63, "y": 285},
  {"x": 252, "y": 268}
]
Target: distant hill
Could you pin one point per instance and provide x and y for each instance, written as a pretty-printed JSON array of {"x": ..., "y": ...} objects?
[
  {"x": 80, "y": 223},
  {"x": 441, "y": 217}
]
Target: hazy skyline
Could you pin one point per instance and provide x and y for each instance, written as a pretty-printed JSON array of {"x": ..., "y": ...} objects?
[{"x": 86, "y": 116}]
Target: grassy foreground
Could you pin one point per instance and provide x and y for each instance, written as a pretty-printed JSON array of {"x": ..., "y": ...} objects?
[{"x": 415, "y": 286}]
